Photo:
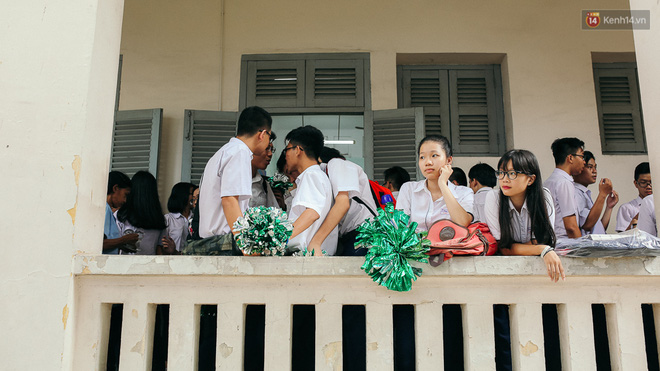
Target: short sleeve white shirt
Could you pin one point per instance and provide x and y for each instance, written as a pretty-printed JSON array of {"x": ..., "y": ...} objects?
[
  {"x": 626, "y": 213},
  {"x": 521, "y": 222},
  {"x": 584, "y": 203},
  {"x": 228, "y": 173},
  {"x": 313, "y": 192},
  {"x": 646, "y": 221},
  {"x": 262, "y": 194},
  {"x": 346, "y": 176},
  {"x": 562, "y": 188},
  {"x": 480, "y": 202},
  {"x": 177, "y": 228},
  {"x": 415, "y": 200}
]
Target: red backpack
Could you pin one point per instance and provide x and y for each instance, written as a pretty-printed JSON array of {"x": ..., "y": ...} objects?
[
  {"x": 449, "y": 239},
  {"x": 382, "y": 196}
]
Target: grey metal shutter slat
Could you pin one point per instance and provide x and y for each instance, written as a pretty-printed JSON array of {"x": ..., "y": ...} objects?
[
  {"x": 136, "y": 141},
  {"x": 428, "y": 89},
  {"x": 473, "y": 113},
  {"x": 334, "y": 83},
  {"x": 204, "y": 133},
  {"x": 619, "y": 108},
  {"x": 393, "y": 136},
  {"x": 273, "y": 84}
]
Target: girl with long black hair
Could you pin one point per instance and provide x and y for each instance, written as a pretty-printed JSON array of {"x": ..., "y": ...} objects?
[
  {"x": 521, "y": 213},
  {"x": 142, "y": 214}
]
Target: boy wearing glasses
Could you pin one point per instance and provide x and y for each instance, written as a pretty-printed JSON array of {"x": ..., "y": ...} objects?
[
  {"x": 226, "y": 185},
  {"x": 313, "y": 199},
  {"x": 262, "y": 193},
  {"x": 569, "y": 160},
  {"x": 626, "y": 217},
  {"x": 588, "y": 210}
]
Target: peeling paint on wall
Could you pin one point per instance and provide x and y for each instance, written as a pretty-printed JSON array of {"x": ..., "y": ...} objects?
[
  {"x": 65, "y": 315},
  {"x": 372, "y": 346},
  {"x": 75, "y": 165},
  {"x": 225, "y": 350},
  {"x": 529, "y": 348},
  {"x": 332, "y": 354},
  {"x": 139, "y": 347}
]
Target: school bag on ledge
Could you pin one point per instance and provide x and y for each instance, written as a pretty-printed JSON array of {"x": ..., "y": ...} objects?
[
  {"x": 382, "y": 196},
  {"x": 448, "y": 239}
]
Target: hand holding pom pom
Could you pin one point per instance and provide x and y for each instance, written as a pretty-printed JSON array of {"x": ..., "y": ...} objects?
[{"x": 263, "y": 231}]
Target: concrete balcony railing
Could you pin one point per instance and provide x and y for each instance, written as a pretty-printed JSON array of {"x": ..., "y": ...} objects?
[{"x": 476, "y": 283}]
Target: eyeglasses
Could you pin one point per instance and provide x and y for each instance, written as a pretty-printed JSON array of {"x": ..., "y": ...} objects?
[
  {"x": 271, "y": 135},
  {"x": 288, "y": 148},
  {"x": 578, "y": 155},
  {"x": 512, "y": 174},
  {"x": 643, "y": 183}
]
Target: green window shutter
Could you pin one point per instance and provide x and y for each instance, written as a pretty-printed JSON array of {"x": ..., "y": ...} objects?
[
  {"x": 619, "y": 108},
  {"x": 136, "y": 141},
  {"x": 204, "y": 132},
  {"x": 334, "y": 83},
  {"x": 273, "y": 84},
  {"x": 473, "y": 112},
  {"x": 393, "y": 136},
  {"x": 428, "y": 89}
]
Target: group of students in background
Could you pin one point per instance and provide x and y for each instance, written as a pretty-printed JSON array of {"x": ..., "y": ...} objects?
[{"x": 331, "y": 197}]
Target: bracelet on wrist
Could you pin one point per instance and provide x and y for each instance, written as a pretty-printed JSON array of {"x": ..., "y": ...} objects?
[{"x": 546, "y": 250}]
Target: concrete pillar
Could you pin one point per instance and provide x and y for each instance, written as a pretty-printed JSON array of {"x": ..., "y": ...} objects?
[
  {"x": 647, "y": 50},
  {"x": 58, "y": 69}
]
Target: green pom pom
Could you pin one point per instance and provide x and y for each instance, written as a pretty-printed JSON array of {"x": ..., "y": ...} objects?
[
  {"x": 392, "y": 243},
  {"x": 263, "y": 231}
]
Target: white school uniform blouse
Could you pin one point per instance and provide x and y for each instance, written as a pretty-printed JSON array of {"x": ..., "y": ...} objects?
[
  {"x": 313, "y": 191},
  {"x": 646, "y": 221},
  {"x": 562, "y": 188},
  {"x": 177, "y": 228},
  {"x": 626, "y": 213},
  {"x": 415, "y": 200},
  {"x": 480, "y": 202},
  {"x": 228, "y": 173},
  {"x": 584, "y": 204},
  {"x": 346, "y": 176},
  {"x": 261, "y": 197},
  {"x": 521, "y": 223}
]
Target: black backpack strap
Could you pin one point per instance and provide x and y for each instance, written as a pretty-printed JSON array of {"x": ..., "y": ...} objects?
[{"x": 357, "y": 199}]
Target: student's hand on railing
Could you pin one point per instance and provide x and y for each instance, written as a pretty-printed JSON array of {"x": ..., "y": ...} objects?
[
  {"x": 612, "y": 200},
  {"x": 555, "y": 269},
  {"x": 169, "y": 246}
]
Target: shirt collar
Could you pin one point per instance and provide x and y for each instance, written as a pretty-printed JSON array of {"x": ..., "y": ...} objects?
[
  {"x": 513, "y": 208},
  {"x": 302, "y": 175},
  {"x": 563, "y": 174},
  {"x": 484, "y": 189},
  {"x": 581, "y": 187},
  {"x": 257, "y": 178},
  {"x": 421, "y": 186},
  {"x": 241, "y": 143}
]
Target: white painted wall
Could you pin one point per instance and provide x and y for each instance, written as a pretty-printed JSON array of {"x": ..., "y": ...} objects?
[
  {"x": 179, "y": 57},
  {"x": 58, "y": 70}
]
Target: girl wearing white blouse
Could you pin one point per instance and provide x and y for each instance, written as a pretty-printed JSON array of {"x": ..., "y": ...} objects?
[
  {"x": 523, "y": 222},
  {"x": 435, "y": 198}
]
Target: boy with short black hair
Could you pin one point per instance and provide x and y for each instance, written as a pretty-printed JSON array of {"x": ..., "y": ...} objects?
[
  {"x": 458, "y": 177},
  {"x": 569, "y": 161},
  {"x": 589, "y": 211},
  {"x": 482, "y": 180},
  {"x": 394, "y": 179},
  {"x": 262, "y": 193},
  {"x": 626, "y": 217},
  {"x": 313, "y": 199},
  {"x": 226, "y": 186},
  {"x": 119, "y": 186}
]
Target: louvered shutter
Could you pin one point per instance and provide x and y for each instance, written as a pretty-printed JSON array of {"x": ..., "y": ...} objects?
[
  {"x": 391, "y": 138},
  {"x": 619, "y": 109},
  {"x": 473, "y": 111},
  {"x": 273, "y": 84},
  {"x": 136, "y": 141},
  {"x": 428, "y": 89},
  {"x": 334, "y": 83},
  {"x": 204, "y": 133}
]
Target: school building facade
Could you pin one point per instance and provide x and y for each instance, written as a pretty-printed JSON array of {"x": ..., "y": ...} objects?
[{"x": 375, "y": 76}]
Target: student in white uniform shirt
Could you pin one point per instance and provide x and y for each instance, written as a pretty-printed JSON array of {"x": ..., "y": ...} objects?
[
  {"x": 395, "y": 177},
  {"x": 435, "y": 198},
  {"x": 262, "y": 194},
  {"x": 520, "y": 215},
  {"x": 626, "y": 217},
  {"x": 482, "y": 180},
  {"x": 569, "y": 161},
  {"x": 179, "y": 205},
  {"x": 313, "y": 199},
  {"x": 646, "y": 221},
  {"x": 589, "y": 211},
  {"x": 354, "y": 202},
  {"x": 226, "y": 185}
]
